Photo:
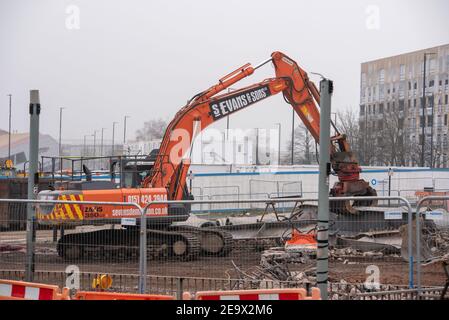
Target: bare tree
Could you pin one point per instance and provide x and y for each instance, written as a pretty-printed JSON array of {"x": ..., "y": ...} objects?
[
  {"x": 152, "y": 129},
  {"x": 359, "y": 135},
  {"x": 303, "y": 147}
]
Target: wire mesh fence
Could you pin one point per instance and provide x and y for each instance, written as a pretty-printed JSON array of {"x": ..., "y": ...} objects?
[
  {"x": 266, "y": 247},
  {"x": 432, "y": 240}
]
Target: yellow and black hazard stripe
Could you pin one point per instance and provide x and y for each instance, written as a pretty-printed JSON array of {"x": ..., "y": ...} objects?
[{"x": 65, "y": 211}]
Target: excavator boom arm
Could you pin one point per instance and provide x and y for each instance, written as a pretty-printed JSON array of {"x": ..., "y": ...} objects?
[{"x": 171, "y": 165}]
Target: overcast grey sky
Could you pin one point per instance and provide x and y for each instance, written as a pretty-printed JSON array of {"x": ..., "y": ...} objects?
[{"x": 146, "y": 58}]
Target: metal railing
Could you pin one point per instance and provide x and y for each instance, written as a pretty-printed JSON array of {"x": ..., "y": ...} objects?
[
  {"x": 143, "y": 269},
  {"x": 422, "y": 202},
  {"x": 143, "y": 277}
]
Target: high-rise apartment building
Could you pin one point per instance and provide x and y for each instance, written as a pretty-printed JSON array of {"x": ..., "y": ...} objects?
[{"x": 395, "y": 122}]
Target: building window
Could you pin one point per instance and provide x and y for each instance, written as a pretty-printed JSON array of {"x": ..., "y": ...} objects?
[
  {"x": 401, "y": 105},
  {"x": 445, "y": 119},
  {"x": 429, "y": 121},
  {"x": 380, "y": 125},
  {"x": 445, "y": 99},
  {"x": 382, "y": 76},
  {"x": 402, "y": 72},
  {"x": 421, "y": 121},
  {"x": 414, "y": 103},
  {"x": 374, "y": 109},
  {"x": 381, "y": 108},
  {"x": 431, "y": 83},
  {"x": 409, "y": 85},
  {"x": 433, "y": 65},
  {"x": 362, "y": 110},
  {"x": 415, "y": 85}
]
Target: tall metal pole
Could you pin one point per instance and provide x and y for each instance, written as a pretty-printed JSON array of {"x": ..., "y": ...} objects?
[
  {"x": 423, "y": 103},
  {"x": 257, "y": 146},
  {"x": 60, "y": 145},
  {"x": 95, "y": 142},
  {"x": 101, "y": 145},
  {"x": 60, "y": 129},
  {"x": 9, "y": 130},
  {"x": 84, "y": 145},
  {"x": 124, "y": 133},
  {"x": 124, "y": 129},
  {"x": 293, "y": 135},
  {"x": 113, "y": 137},
  {"x": 431, "y": 133},
  {"x": 33, "y": 176},
  {"x": 326, "y": 89}
]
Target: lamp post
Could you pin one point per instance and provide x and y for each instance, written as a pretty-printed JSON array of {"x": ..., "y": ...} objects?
[
  {"x": 9, "y": 130},
  {"x": 257, "y": 146},
  {"x": 423, "y": 103},
  {"x": 431, "y": 132},
  {"x": 95, "y": 142},
  {"x": 101, "y": 145},
  {"x": 124, "y": 129},
  {"x": 113, "y": 137},
  {"x": 335, "y": 119},
  {"x": 60, "y": 130},
  {"x": 84, "y": 146},
  {"x": 60, "y": 144}
]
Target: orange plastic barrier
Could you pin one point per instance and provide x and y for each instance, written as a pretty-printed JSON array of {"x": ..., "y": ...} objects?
[
  {"x": 269, "y": 294},
  {"x": 97, "y": 295},
  {"x": 20, "y": 290}
]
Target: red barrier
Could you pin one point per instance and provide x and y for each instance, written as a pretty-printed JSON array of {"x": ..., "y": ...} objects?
[
  {"x": 95, "y": 295},
  {"x": 20, "y": 290},
  {"x": 269, "y": 294}
]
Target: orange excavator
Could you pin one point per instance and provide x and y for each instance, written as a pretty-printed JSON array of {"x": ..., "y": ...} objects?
[{"x": 167, "y": 177}]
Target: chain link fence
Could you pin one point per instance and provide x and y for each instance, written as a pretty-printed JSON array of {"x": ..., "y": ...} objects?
[
  {"x": 432, "y": 241},
  {"x": 264, "y": 247}
]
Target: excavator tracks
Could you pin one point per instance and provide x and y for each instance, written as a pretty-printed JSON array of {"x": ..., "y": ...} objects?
[
  {"x": 214, "y": 242},
  {"x": 123, "y": 244},
  {"x": 184, "y": 246}
]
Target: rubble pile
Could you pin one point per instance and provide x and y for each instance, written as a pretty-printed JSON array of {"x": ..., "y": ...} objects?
[
  {"x": 439, "y": 242},
  {"x": 343, "y": 254}
]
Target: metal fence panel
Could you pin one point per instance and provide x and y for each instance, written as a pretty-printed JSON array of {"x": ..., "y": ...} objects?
[{"x": 366, "y": 248}]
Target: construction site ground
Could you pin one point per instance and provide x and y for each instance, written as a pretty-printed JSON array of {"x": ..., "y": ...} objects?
[{"x": 393, "y": 269}]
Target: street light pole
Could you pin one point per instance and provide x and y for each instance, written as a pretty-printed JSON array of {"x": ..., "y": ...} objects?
[
  {"x": 9, "y": 130},
  {"x": 423, "y": 103},
  {"x": 124, "y": 129},
  {"x": 257, "y": 146},
  {"x": 113, "y": 137},
  {"x": 84, "y": 145},
  {"x": 95, "y": 142},
  {"x": 60, "y": 145},
  {"x": 431, "y": 133},
  {"x": 101, "y": 146}
]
